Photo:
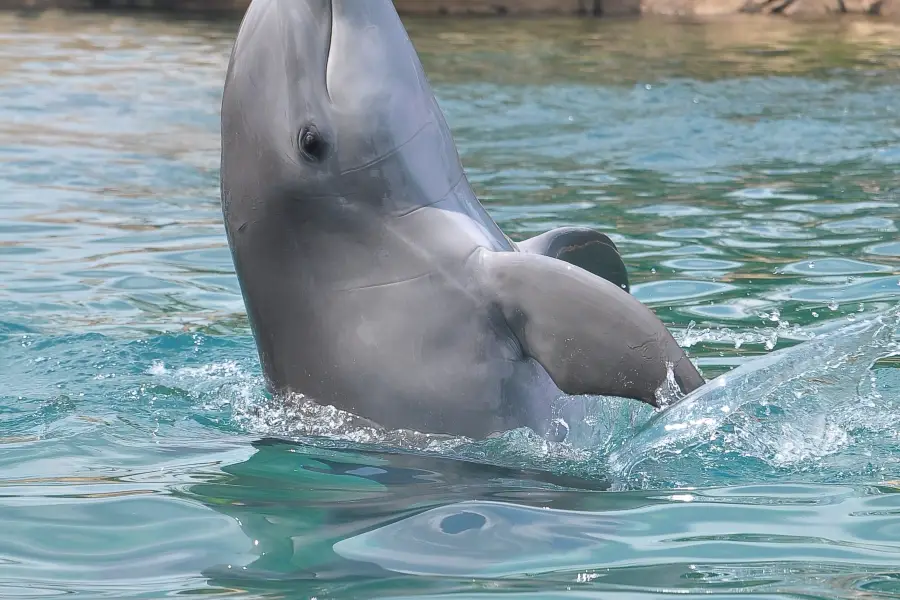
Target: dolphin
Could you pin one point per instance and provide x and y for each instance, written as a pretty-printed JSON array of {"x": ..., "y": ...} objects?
[{"x": 374, "y": 280}]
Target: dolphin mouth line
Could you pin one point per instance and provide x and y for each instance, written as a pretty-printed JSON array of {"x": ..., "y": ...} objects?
[
  {"x": 443, "y": 197},
  {"x": 382, "y": 284},
  {"x": 389, "y": 153}
]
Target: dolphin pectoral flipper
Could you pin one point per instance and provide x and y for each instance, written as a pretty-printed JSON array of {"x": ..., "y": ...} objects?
[
  {"x": 589, "y": 335},
  {"x": 583, "y": 247}
]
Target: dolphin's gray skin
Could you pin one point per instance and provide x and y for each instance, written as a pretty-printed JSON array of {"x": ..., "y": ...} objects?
[{"x": 373, "y": 278}]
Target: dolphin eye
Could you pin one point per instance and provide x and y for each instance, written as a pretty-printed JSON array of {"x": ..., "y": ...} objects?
[{"x": 311, "y": 143}]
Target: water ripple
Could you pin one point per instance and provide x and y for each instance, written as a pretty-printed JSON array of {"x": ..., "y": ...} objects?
[{"x": 747, "y": 171}]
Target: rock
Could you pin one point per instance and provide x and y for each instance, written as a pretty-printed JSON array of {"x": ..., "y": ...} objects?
[
  {"x": 858, "y": 6},
  {"x": 794, "y": 7},
  {"x": 764, "y": 6},
  {"x": 613, "y": 8},
  {"x": 812, "y": 7},
  {"x": 495, "y": 7},
  {"x": 887, "y": 8},
  {"x": 692, "y": 7},
  {"x": 617, "y": 8},
  {"x": 603, "y": 8}
]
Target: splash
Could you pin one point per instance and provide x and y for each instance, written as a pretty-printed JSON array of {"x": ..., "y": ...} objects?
[
  {"x": 788, "y": 410},
  {"x": 815, "y": 408},
  {"x": 300, "y": 419},
  {"x": 765, "y": 336}
]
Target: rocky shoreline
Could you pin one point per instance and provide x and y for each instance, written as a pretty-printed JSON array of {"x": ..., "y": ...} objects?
[
  {"x": 799, "y": 8},
  {"x": 587, "y": 8}
]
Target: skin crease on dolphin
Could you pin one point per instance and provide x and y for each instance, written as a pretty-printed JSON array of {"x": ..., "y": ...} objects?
[{"x": 374, "y": 279}]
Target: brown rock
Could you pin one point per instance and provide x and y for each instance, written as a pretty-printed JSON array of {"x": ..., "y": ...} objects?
[
  {"x": 887, "y": 8},
  {"x": 812, "y": 7},
  {"x": 858, "y": 6},
  {"x": 617, "y": 8},
  {"x": 692, "y": 7},
  {"x": 495, "y": 7},
  {"x": 764, "y": 6},
  {"x": 718, "y": 7},
  {"x": 793, "y": 7},
  {"x": 666, "y": 7}
]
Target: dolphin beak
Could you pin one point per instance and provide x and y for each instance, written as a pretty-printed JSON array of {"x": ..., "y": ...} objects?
[{"x": 329, "y": 44}]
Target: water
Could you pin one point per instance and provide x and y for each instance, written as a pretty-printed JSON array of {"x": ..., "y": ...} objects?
[{"x": 747, "y": 170}]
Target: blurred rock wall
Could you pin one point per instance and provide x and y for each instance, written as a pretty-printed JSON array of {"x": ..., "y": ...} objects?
[
  {"x": 699, "y": 8},
  {"x": 659, "y": 7}
]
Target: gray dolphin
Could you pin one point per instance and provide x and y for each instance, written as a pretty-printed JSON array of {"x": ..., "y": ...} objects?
[{"x": 374, "y": 280}]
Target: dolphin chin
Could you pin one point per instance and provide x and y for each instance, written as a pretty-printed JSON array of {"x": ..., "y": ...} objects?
[{"x": 373, "y": 278}]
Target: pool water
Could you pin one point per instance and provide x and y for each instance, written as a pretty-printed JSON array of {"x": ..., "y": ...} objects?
[{"x": 749, "y": 171}]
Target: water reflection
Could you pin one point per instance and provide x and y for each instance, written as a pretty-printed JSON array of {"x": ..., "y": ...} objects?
[
  {"x": 295, "y": 501},
  {"x": 391, "y": 524}
]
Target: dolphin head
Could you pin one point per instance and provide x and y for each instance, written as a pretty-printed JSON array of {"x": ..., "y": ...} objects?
[
  {"x": 332, "y": 142},
  {"x": 328, "y": 117}
]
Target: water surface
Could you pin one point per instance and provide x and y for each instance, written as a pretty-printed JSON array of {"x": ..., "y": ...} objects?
[{"x": 748, "y": 171}]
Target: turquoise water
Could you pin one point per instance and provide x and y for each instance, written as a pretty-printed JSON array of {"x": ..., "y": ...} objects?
[{"x": 750, "y": 173}]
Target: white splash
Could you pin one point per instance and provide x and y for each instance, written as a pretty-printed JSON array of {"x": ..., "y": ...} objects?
[
  {"x": 766, "y": 336},
  {"x": 792, "y": 409},
  {"x": 789, "y": 406}
]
